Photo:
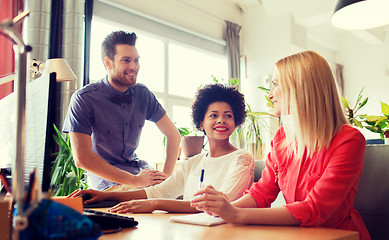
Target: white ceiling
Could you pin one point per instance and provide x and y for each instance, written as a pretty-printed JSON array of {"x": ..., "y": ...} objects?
[{"x": 314, "y": 15}]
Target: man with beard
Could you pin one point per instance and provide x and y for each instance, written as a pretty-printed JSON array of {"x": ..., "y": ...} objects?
[{"x": 105, "y": 119}]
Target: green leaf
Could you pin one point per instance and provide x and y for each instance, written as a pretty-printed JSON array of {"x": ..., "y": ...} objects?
[
  {"x": 345, "y": 102},
  {"x": 184, "y": 131},
  {"x": 381, "y": 121},
  {"x": 385, "y": 109},
  {"x": 65, "y": 187},
  {"x": 61, "y": 159},
  {"x": 270, "y": 104},
  {"x": 362, "y": 104},
  {"x": 79, "y": 172},
  {"x": 72, "y": 184},
  {"x": 266, "y": 90},
  {"x": 59, "y": 139},
  {"x": 371, "y": 118},
  {"x": 68, "y": 166},
  {"x": 258, "y": 114},
  {"x": 357, "y": 123},
  {"x": 58, "y": 190},
  {"x": 372, "y": 128},
  {"x": 359, "y": 96},
  {"x": 54, "y": 167},
  {"x": 55, "y": 176},
  {"x": 382, "y": 136},
  {"x": 233, "y": 82}
]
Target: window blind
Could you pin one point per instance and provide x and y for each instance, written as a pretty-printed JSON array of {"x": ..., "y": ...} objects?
[{"x": 126, "y": 17}]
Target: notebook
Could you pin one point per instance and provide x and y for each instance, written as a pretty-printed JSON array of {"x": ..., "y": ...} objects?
[{"x": 198, "y": 219}]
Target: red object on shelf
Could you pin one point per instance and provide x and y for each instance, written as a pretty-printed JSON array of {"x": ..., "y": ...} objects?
[
  {"x": 8, "y": 9},
  {"x": 386, "y": 134},
  {"x": 6, "y": 89}
]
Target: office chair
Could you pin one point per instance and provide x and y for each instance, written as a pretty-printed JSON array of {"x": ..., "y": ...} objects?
[{"x": 372, "y": 198}]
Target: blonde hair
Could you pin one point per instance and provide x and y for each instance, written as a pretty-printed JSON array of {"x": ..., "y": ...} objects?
[{"x": 311, "y": 109}]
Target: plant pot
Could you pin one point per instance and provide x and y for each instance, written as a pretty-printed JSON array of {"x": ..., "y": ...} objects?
[
  {"x": 386, "y": 134},
  {"x": 191, "y": 145}
]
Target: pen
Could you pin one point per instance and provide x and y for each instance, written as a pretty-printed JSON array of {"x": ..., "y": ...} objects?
[
  {"x": 31, "y": 187},
  {"x": 201, "y": 177}
]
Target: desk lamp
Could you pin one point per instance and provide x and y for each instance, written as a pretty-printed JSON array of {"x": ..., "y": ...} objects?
[{"x": 61, "y": 67}]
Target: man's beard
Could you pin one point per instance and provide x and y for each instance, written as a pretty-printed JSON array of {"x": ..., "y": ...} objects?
[{"x": 121, "y": 81}]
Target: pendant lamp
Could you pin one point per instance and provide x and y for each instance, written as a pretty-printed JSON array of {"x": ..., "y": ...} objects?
[{"x": 361, "y": 14}]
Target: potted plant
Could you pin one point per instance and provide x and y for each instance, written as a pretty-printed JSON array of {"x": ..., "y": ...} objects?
[
  {"x": 379, "y": 124},
  {"x": 351, "y": 111},
  {"x": 192, "y": 142},
  {"x": 65, "y": 176},
  {"x": 250, "y": 134}
]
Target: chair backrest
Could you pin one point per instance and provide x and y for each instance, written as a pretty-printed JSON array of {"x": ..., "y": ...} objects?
[
  {"x": 259, "y": 166},
  {"x": 373, "y": 191}
]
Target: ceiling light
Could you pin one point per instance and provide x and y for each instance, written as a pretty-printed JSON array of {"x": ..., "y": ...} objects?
[{"x": 361, "y": 14}]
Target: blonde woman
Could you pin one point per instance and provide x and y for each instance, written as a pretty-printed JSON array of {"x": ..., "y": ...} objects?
[{"x": 316, "y": 157}]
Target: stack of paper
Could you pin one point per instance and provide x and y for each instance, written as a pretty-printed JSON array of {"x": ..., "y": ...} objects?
[{"x": 199, "y": 219}]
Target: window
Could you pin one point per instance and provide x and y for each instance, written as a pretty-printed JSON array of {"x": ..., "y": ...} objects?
[
  {"x": 188, "y": 68},
  {"x": 151, "y": 51},
  {"x": 172, "y": 70}
]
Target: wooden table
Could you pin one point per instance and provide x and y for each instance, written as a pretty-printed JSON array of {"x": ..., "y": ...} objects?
[{"x": 156, "y": 226}]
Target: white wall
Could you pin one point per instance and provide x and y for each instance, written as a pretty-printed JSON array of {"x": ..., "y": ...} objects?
[
  {"x": 266, "y": 39},
  {"x": 364, "y": 66}
]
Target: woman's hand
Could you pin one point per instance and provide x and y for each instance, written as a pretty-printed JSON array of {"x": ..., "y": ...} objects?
[
  {"x": 134, "y": 206},
  {"x": 214, "y": 203},
  {"x": 93, "y": 195}
]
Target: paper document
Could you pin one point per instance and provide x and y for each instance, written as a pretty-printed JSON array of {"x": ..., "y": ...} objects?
[{"x": 199, "y": 219}]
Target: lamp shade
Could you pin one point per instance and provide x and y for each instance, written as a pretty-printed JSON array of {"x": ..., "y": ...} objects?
[
  {"x": 360, "y": 14},
  {"x": 61, "y": 67}
]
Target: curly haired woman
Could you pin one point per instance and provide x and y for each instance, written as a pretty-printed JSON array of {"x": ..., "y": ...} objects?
[{"x": 217, "y": 110}]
